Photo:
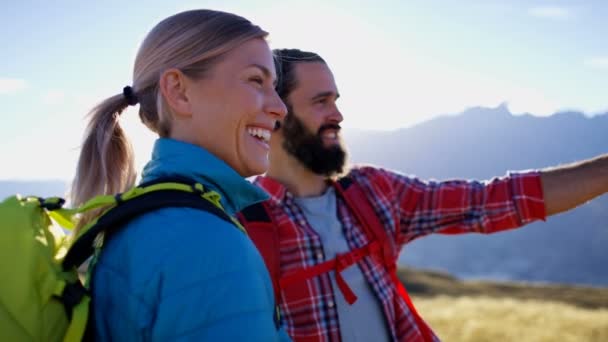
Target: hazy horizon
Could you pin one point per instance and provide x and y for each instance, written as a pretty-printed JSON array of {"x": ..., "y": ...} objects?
[{"x": 396, "y": 63}]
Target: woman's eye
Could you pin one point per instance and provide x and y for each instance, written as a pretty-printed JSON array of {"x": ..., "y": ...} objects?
[{"x": 257, "y": 80}]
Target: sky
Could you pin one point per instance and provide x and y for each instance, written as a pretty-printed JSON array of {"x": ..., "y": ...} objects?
[{"x": 396, "y": 63}]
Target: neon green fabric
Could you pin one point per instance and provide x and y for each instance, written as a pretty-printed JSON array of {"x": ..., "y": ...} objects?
[{"x": 32, "y": 248}]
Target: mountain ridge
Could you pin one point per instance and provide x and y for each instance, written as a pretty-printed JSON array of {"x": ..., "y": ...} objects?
[{"x": 482, "y": 143}]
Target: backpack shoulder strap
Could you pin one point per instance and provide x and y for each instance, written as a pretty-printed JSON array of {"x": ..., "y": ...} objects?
[
  {"x": 360, "y": 206},
  {"x": 257, "y": 221},
  {"x": 263, "y": 231},
  {"x": 125, "y": 210}
]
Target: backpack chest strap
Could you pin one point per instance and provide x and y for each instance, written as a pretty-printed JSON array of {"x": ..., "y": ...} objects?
[{"x": 341, "y": 262}]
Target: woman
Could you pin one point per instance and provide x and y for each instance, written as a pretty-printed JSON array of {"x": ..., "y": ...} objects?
[{"x": 204, "y": 82}]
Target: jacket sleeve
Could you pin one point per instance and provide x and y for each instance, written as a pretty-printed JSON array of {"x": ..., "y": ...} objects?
[{"x": 213, "y": 287}]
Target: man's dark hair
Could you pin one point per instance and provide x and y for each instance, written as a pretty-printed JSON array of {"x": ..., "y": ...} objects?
[{"x": 285, "y": 61}]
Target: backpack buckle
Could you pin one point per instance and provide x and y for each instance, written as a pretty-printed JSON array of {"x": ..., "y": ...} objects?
[
  {"x": 72, "y": 295},
  {"x": 52, "y": 203},
  {"x": 197, "y": 188}
]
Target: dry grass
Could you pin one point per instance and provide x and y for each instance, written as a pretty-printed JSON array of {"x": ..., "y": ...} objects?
[
  {"x": 469, "y": 319},
  {"x": 476, "y": 311},
  {"x": 429, "y": 284}
]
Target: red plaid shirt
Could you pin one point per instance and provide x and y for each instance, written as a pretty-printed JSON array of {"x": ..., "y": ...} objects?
[{"x": 409, "y": 208}]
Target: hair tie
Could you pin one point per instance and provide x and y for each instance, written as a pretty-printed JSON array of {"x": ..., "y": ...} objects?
[{"x": 129, "y": 96}]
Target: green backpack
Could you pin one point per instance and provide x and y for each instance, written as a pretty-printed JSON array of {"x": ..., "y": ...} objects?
[{"x": 42, "y": 297}]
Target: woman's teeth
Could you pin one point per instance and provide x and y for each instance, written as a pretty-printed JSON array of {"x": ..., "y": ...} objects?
[{"x": 260, "y": 133}]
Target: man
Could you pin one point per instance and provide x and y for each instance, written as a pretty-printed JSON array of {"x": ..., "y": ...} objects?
[{"x": 314, "y": 226}]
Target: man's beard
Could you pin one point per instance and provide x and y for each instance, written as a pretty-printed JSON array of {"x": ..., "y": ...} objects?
[{"x": 309, "y": 149}]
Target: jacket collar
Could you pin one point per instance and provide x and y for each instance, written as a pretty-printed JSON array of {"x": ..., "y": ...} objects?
[{"x": 171, "y": 158}]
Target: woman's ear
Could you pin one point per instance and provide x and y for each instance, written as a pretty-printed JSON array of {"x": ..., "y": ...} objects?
[{"x": 173, "y": 84}]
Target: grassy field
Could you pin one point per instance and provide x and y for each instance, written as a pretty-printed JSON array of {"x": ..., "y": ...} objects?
[{"x": 487, "y": 311}]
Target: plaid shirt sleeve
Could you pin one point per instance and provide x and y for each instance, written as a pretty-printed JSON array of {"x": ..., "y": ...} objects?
[{"x": 458, "y": 206}]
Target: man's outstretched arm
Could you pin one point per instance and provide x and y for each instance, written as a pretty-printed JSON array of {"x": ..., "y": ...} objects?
[{"x": 568, "y": 186}]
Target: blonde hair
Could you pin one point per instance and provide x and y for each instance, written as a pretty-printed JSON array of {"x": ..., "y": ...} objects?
[{"x": 191, "y": 41}]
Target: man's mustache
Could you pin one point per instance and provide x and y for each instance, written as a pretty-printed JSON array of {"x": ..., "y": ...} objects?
[
  {"x": 277, "y": 126},
  {"x": 329, "y": 126}
]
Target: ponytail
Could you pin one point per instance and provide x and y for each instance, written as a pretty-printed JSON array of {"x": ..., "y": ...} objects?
[{"x": 106, "y": 161}]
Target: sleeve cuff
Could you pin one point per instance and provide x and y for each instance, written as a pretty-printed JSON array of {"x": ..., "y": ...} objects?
[{"x": 528, "y": 195}]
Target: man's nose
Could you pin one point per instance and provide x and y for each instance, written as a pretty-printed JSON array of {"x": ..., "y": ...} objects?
[{"x": 335, "y": 116}]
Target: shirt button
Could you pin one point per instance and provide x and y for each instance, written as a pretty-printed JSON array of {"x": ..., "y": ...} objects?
[
  {"x": 330, "y": 303},
  {"x": 319, "y": 256}
]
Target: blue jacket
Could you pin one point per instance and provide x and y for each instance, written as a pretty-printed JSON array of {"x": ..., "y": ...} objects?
[{"x": 181, "y": 274}]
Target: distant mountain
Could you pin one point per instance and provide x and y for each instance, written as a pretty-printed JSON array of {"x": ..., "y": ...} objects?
[
  {"x": 485, "y": 142},
  {"x": 33, "y": 188},
  {"x": 479, "y": 144}
]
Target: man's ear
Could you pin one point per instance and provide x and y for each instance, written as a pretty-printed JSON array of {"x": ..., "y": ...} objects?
[{"x": 173, "y": 84}]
